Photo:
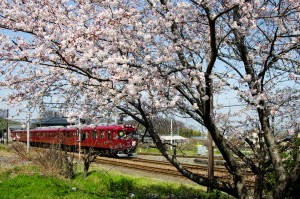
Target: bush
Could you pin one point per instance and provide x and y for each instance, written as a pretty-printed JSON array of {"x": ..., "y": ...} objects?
[{"x": 52, "y": 161}]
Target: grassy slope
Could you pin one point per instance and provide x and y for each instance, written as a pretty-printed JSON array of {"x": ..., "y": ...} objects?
[
  {"x": 14, "y": 184},
  {"x": 26, "y": 181}
]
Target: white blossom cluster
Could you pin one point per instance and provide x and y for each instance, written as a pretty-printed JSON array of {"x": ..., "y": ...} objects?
[{"x": 96, "y": 56}]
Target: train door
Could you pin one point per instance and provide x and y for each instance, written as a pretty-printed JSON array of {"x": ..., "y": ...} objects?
[
  {"x": 60, "y": 136},
  {"x": 109, "y": 134}
]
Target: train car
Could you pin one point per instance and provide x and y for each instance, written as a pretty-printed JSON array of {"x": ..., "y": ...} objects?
[{"x": 109, "y": 139}]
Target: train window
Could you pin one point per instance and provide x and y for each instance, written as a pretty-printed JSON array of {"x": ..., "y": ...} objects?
[
  {"x": 102, "y": 134},
  {"x": 94, "y": 135},
  {"x": 108, "y": 135}
]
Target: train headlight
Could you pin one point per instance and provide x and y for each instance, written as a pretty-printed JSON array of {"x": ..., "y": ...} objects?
[{"x": 133, "y": 143}]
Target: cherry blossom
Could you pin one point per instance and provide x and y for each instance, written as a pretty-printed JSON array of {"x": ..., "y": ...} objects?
[{"x": 146, "y": 58}]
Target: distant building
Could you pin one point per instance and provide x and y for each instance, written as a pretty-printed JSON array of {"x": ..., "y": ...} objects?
[
  {"x": 53, "y": 121},
  {"x": 176, "y": 139}
]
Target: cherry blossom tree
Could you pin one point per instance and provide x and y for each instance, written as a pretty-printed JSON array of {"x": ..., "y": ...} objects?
[{"x": 151, "y": 57}]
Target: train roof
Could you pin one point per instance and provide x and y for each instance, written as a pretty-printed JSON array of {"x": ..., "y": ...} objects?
[{"x": 103, "y": 126}]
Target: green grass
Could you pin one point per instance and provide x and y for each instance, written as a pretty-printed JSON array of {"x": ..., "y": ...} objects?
[
  {"x": 2, "y": 147},
  {"x": 190, "y": 149},
  {"x": 99, "y": 184},
  {"x": 29, "y": 181},
  {"x": 35, "y": 186}
]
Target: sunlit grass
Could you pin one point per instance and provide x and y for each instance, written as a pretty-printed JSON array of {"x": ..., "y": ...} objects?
[
  {"x": 24, "y": 180},
  {"x": 99, "y": 184}
]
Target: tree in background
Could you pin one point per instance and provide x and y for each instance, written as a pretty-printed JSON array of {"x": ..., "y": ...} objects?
[
  {"x": 163, "y": 127},
  {"x": 49, "y": 113},
  {"x": 3, "y": 126},
  {"x": 188, "y": 132},
  {"x": 201, "y": 59}
]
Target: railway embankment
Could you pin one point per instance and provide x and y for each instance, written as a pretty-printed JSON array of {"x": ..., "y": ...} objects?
[{"x": 20, "y": 178}]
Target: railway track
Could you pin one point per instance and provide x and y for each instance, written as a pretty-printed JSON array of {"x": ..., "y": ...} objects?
[
  {"x": 216, "y": 157},
  {"x": 188, "y": 166},
  {"x": 180, "y": 155},
  {"x": 166, "y": 168}
]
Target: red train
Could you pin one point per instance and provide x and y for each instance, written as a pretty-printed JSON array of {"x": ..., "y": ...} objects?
[{"x": 116, "y": 140}]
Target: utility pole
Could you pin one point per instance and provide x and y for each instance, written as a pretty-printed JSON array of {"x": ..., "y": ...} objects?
[
  {"x": 171, "y": 133},
  {"x": 28, "y": 132},
  {"x": 7, "y": 112},
  {"x": 2, "y": 129},
  {"x": 28, "y": 127},
  {"x": 79, "y": 139}
]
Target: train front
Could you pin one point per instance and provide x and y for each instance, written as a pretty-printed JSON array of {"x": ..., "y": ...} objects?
[{"x": 127, "y": 141}]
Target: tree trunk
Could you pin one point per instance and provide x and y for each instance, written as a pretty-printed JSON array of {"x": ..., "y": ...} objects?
[
  {"x": 69, "y": 173},
  {"x": 88, "y": 158},
  {"x": 222, "y": 186},
  {"x": 86, "y": 168}
]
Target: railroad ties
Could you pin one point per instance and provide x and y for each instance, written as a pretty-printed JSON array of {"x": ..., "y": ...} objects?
[{"x": 165, "y": 168}]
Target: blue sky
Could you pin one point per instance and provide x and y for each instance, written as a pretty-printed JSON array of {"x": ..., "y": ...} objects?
[{"x": 4, "y": 92}]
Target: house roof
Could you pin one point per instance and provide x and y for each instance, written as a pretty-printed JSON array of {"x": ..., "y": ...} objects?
[
  {"x": 175, "y": 137},
  {"x": 54, "y": 121}
]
